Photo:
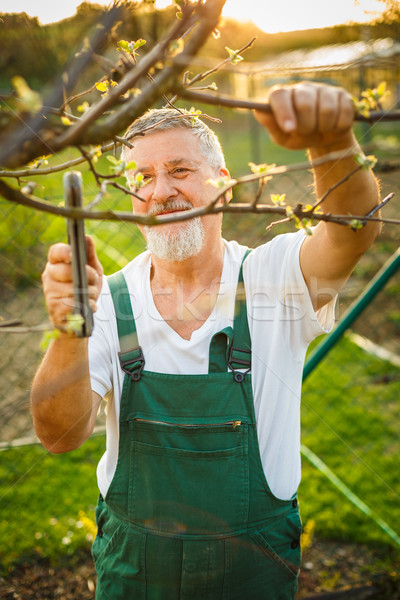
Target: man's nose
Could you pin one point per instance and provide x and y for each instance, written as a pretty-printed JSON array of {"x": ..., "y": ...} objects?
[{"x": 163, "y": 187}]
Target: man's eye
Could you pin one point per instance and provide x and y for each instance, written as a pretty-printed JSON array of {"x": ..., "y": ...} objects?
[{"x": 180, "y": 171}]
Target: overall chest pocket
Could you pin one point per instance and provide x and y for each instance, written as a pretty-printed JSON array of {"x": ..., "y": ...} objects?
[{"x": 189, "y": 478}]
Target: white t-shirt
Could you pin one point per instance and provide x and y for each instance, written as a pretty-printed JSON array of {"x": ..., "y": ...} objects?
[{"x": 282, "y": 323}]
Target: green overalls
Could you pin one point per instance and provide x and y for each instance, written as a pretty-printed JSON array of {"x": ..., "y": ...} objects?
[{"x": 189, "y": 514}]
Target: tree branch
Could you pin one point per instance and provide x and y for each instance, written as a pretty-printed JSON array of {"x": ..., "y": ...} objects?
[
  {"x": 220, "y": 100},
  {"x": 14, "y": 195},
  {"x": 35, "y": 137}
]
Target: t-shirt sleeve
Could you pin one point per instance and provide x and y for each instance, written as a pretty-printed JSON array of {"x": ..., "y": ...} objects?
[{"x": 279, "y": 291}]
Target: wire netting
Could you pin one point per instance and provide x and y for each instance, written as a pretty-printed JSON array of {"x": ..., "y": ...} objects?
[{"x": 350, "y": 402}]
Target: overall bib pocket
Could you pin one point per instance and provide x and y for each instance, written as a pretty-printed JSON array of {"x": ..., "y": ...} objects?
[{"x": 183, "y": 477}]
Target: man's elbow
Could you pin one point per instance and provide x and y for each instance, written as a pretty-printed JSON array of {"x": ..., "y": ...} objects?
[{"x": 61, "y": 445}]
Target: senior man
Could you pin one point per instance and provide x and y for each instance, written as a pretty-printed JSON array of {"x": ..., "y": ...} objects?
[{"x": 199, "y": 479}]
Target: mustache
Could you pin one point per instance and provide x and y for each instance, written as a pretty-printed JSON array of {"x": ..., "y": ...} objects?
[{"x": 170, "y": 205}]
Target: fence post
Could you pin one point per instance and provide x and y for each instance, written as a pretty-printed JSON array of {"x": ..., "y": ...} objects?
[{"x": 354, "y": 311}]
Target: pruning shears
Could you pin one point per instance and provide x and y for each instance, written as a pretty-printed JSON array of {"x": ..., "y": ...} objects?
[{"x": 76, "y": 238}]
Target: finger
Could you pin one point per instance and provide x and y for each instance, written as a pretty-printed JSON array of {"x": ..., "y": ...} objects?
[
  {"x": 305, "y": 102},
  {"x": 59, "y": 253},
  {"x": 93, "y": 276},
  {"x": 58, "y": 272},
  {"x": 281, "y": 103},
  {"x": 346, "y": 112},
  {"x": 328, "y": 109},
  {"x": 92, "y": 258}
]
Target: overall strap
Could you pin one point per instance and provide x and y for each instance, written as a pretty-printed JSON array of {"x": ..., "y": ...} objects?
[
  {"x": 240, "y": 349},
  {"x": 229, "y": 347},
  {"x": 219, "y": 347},
  {"x": 131, "y": 355}
]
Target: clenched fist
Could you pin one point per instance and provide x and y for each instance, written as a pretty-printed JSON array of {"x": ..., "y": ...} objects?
[
  {"x": 57, "y": 281},
  {"x": 309, "y": 115}
]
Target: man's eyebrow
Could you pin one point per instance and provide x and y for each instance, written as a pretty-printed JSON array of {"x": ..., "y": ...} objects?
[
  {"x": 170, "y": 163},
  {"x": 179, "y": 161}
]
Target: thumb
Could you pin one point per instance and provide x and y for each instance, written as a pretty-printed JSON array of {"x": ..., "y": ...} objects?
[{"x": 92, "y": 258}]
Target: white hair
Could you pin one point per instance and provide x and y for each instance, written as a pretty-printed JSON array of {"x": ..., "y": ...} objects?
[
  {"x": 185, "y": 241},
  {"x": 161, "y": 119}
]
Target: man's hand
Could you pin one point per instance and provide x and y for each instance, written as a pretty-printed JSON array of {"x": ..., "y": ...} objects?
[
  {"x": 57, "y": 281},
  {"x": 308, "y": 115}
]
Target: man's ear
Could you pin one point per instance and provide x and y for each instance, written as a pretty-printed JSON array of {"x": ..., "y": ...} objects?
[{"x": 223, "y": 172}]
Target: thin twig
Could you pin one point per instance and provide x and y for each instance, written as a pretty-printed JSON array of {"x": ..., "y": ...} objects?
[
  {"x": 28, "y": 329},
  {"x": 271, "y": 225},
  {"x": 334, "y": 187},
  {"x": 202, "y": 76},
  {"x": 261, "y": 185},
  {"x": 380, "y": 205}
]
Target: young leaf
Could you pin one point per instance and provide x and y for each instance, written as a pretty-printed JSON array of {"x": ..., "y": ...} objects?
[
  {"x": 113, "y": 160},
  {"x": 102, "y": 86},
  {"x": 279, "y": 200},
  {"x": 123, "y": 45},
  {"x": 48, "y": 337},
  {"x": 234, "y": 55},
  {"x": 221, "y": 182},
  {"x": 74, "y": 323},
  {"x": 30, "y": 100},
  {"x": 366, "y": 162}
]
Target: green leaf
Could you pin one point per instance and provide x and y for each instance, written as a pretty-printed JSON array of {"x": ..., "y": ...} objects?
[
  {"x": 48, "y": 337},
  {"x": 140, "y": 42},
  {"x": 366, "y": 162},
  {"x": 123, "y": 45},
  {"x": 102, "y": 86},
  {"x": 30, "y": 100},
  {"x": 356, "y": 224},
  {"x": 113, "y": 160},
  {"x": 74, "y": 323},
  {"x": 138, "y": 181},
  {"x": 233, "y": 55},
  {"x": 279, "y": 199},
  {"x": 221, "y": 182}
]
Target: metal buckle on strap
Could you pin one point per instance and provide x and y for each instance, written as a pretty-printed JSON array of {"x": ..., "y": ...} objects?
[
  {"x": 132, "y": 362},
  {"x": 236, "y": 356}
]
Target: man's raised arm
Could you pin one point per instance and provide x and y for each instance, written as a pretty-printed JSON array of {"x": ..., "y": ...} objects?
[
  {"x": 320, "y": 118},
  {"x": 64, "y": 408}
]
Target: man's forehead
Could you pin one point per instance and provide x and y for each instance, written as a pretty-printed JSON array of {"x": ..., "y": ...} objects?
[
  {"x": 165, "y": 147},
  {"x": 165, "y": 138}
]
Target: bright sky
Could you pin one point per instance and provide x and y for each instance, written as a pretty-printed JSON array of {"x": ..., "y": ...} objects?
[{"x": 278, "y": 15}]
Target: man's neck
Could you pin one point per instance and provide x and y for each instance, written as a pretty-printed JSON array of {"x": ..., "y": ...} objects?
[
  {"x": 185, "y": 292},
  {"x": 195, "y": 272}
]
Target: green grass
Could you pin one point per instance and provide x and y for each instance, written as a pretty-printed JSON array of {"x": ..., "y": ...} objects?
[
  {"x": 350, "y": 420},
  {"x": 47, "y": 503}
]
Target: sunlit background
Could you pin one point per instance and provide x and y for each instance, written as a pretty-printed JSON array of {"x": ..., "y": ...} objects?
[{"x": 272, "y": 17}]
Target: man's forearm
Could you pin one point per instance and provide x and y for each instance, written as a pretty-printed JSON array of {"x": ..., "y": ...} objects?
[
  {"x": 353, "y": 191},
  {"x": 63, "y": 408}
]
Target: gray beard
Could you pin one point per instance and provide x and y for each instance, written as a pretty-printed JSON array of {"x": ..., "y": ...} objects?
[{"x": 185, "y": 242}]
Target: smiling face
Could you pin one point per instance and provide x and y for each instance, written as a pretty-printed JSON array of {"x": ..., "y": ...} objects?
[{"x": 177, "y": 174}]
